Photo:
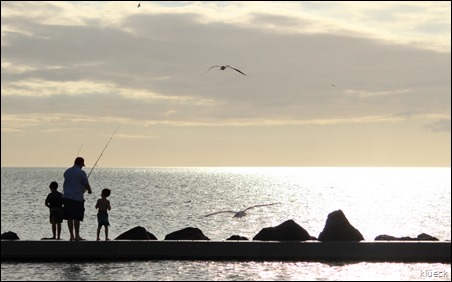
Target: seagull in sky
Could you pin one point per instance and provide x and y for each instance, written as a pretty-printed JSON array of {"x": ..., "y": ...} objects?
[
  {"x": 224, "y": 67},
  {"x": 139, "y": 4},
  {"x": 242, "y": 212}
]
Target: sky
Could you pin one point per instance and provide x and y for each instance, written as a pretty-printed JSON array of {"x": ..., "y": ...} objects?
[{"x": 326, "y": 84}]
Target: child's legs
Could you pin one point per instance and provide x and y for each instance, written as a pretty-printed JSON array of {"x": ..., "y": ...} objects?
[
  {"x": 106, "y": 232},
  {"x": 54, "y": 227}
]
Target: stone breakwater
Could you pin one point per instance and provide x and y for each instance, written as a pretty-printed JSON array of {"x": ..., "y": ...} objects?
[{"x": 337, "y": 228}]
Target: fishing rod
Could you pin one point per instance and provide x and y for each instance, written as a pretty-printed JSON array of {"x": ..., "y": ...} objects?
[
  {"x": 102, "y": 151},
  {"x": 78, "y": 154}
]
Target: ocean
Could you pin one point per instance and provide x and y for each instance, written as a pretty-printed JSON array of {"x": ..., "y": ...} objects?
[{"x": 393, "y": 201}]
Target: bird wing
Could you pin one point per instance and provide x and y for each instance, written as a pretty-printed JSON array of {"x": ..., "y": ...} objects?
[
  {"x": 263, "y": 205},
  {"x": 220, "y": 212},
  {"x": 216, "y": 66},
  {"x": 228, "y": 66}
]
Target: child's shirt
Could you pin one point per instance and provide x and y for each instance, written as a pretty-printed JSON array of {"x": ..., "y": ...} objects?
[{"x": 54, "y": 200}]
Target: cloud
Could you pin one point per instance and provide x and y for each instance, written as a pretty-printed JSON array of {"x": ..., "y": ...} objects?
[
  {"x": 368, "y": 94},
  {"x": 291, "y": 76},
  {"x": 439, "y": 126},
  {"x": 93, "y": 64}
]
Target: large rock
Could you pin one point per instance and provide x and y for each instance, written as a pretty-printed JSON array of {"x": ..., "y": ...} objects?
[
  {"x": 286, "y": 231},
  {"x": 10, "y": 236},
  {"x": 136, "y": 233},
  {"x": 189, "y": 233},
  {"x": 420, "y": 237},
  {"x": 337, "y": 228}
]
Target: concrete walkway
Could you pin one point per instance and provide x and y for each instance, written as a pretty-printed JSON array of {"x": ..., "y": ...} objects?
[{"x": 53, "y": 250}]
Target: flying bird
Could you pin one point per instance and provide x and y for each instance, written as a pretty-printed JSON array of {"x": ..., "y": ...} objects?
[
  {"x": 139, "y": 4},
  {"x": 224, "y": 67},
  {"x": 241, "y": 213}
]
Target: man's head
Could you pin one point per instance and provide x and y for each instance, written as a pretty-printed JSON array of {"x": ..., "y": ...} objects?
[{"x": 79, "y": 161}]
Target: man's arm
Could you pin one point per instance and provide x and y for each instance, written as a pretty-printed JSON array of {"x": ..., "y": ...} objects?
[{"x": 88, "y": 188}]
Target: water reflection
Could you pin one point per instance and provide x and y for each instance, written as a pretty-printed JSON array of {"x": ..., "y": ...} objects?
[{"x": 73, "y": 271}]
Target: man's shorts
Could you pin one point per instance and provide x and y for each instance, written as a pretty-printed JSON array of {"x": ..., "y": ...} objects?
[{"x": 73, "y": 209}]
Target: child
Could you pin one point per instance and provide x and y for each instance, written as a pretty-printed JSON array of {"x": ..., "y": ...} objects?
[
  {"x": 54, "y": 202},
  {"x": 102, "y": 216}
]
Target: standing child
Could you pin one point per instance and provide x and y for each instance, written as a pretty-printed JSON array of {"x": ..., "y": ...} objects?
[
  {"x": 54, "y": 202},
  {"x": 102, "y": 215}
]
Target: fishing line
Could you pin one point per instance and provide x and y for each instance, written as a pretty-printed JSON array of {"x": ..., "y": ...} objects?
[{"x": 102, "y": 151}]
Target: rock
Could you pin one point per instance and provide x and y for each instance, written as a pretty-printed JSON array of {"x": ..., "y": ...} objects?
[
  {"x": 237, "y": 237},
  {"x": 385, "y": 237},
  {"x": 136, "y": 233},
  {"x": 426, "y": 237},
  {"x": 189, "y": 233},
  {"x": 286, "y": 231},
  {"x": 420, "y": 237},
  {"x": 10, "y": 236},
  {"x": 337, "y": 228}
]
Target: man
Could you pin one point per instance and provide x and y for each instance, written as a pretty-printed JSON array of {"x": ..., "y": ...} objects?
[{"x": 74, "y": 186}]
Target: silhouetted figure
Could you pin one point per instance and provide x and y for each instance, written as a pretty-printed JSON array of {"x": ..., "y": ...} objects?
[
  {"x": 54, "y": 202},
  {"x": 74, "y": 186},
  {"x": 102, "y": 214}
]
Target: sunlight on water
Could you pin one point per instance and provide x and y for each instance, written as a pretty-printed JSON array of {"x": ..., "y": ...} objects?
[
  {"x": 225, "y": 271},
  {"x": 393, "y": 201}
]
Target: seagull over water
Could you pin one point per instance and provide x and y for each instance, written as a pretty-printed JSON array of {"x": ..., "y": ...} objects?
[
  {"x": 224, "y": 67},
  {"x": 241, "y": 213}
]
